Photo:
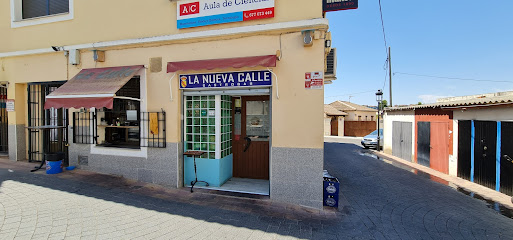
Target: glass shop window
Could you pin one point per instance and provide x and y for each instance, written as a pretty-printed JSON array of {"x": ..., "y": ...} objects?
[
  {"x": 120, "y": 126},
  {"x": 200, "y": 127}
]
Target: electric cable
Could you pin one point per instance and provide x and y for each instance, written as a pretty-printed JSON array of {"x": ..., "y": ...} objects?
[
  {"x": 453, "y": 78},
  {"x": 383, "y": 27},
  {"x": 350, "y": 94}
]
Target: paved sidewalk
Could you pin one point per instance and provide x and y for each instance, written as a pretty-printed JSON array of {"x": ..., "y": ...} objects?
[
  {"x": 85, "y": 205},
  {"x": 483, "y": 191}
]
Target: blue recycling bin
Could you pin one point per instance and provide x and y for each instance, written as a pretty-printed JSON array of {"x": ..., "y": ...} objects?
[
  {"x": 331, "y": 191},
  {"x": 54, "y": 162}
]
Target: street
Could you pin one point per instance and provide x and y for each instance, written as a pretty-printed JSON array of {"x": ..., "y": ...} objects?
[
  {"x": 378, "y": 201},
  {"x": 384, "y": 201}
]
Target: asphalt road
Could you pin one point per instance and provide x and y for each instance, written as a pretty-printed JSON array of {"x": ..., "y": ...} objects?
[{"x": 383, "y": 201}]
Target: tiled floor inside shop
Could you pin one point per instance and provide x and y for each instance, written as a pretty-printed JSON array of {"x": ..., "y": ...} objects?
[{"x": 242, "y": 185}]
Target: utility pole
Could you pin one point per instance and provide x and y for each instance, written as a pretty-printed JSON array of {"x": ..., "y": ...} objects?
[
  {"x": 350, "y": 96},
  {"x": 390, "y": 74}
]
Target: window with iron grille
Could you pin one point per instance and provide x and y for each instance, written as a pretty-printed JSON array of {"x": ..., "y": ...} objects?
[
  {"x": 123, "y": 126},
  {"x": 39, "y": 8},
  {"x": 84, "y": 127}
]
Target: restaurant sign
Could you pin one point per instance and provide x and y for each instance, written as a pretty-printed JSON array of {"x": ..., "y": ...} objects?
[
  {"x": 197, "y": 13},
  {"x": 226, "y": 80},
  {"x": 336, "y": 5}
]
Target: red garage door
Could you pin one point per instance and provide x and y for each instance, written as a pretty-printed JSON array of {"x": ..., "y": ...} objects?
[{"x": 439, "y": 156}]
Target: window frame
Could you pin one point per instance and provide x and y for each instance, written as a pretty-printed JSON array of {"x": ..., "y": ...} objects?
[
  {"x": 121, "y": 101},
  {"x": 18, "y": 21}
]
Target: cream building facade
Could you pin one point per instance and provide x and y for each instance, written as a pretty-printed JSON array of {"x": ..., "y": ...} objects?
[{"x": 39, "y": 55}]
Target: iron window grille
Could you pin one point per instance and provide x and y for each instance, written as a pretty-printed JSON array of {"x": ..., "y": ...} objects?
[
  {"x": 149, "y": 138},
  {"x": 85, "y": 128}
]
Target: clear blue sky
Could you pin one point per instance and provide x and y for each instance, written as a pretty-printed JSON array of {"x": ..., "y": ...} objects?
[{"x": 457, "y": 38}]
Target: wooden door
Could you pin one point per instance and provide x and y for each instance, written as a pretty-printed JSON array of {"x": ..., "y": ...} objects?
[
  {"x": 251, "y": 131},
  {"x": 334, "y": 126},
  {"x": 439, "y": 155}
]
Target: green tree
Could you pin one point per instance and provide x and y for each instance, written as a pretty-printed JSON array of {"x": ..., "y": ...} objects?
[
  {"x": 384, "y": 104},
  {"x": 420, "y": 103}
]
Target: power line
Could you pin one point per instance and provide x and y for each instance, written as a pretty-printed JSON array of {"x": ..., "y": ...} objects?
[
  {"x": 350, "y": 94},
  {"x": 383, "y": 26},
  {"x": 386, "y": 45},
  {"x": 453, "y": 78}
]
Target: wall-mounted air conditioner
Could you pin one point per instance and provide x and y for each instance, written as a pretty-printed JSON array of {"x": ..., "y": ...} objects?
[{"x": 74, "y": 57}]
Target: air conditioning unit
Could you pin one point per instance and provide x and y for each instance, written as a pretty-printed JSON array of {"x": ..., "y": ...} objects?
[
  {"x": 74, "y": 57},
  {"x": 330, "y": 73}
]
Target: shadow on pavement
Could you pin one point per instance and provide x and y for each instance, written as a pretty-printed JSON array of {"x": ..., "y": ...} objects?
[{"x": 266, "y": 216}]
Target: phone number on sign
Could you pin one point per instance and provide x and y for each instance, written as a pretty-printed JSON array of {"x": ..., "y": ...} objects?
[{"x": 259, "y": 14}]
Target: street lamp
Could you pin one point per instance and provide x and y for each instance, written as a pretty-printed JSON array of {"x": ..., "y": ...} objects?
[{"x": 379, "y": 99}]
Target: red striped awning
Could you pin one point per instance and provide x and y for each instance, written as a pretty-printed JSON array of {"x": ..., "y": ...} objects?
[
  {"x": 255, "y": 61},
  {"x": 95, "y": 87}
]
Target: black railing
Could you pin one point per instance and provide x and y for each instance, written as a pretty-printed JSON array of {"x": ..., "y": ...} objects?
[
  {"x": 84, "y": 127},
  {"x": 4, "y": 142},
  {"x": 153, "y": 129},
  {"x": 38, "y": 116}
]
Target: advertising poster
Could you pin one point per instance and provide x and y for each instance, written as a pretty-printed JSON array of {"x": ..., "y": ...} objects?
[
  {"x": 314, "y": 80},
  {"x": 194, "y": 13}
]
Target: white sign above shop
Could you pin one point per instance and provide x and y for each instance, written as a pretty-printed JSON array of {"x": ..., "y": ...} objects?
[{"x": 197, "y": 13}]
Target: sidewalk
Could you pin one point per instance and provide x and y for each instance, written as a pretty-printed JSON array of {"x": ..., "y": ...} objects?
[
  {"x": 485, "y": 192},
  {"x": 80, "y": 204},
  {"x": 245, "y": 203}
]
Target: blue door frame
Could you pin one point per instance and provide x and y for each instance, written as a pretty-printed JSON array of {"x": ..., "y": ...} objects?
[{"x": 497, "y": 157}]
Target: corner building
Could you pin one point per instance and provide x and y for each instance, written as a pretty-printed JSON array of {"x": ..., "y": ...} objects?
[{"x": 136, "y": 84}]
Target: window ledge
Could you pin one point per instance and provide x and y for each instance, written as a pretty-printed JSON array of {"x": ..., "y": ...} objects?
[
  {"x": 42, "y": 20},
  {"x": 41, "y": 17},
  {"x": 131, "y": 147},
  {"x": 17, "y": 20},
  {"x": 117, "y": 151}
]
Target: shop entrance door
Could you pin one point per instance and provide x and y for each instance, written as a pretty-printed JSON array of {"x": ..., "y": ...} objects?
[
  {"x": 38, "y": 116},
  {"x": 251, "y": 131}
]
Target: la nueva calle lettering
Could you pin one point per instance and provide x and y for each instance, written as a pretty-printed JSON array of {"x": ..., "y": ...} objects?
[{"x": 231, "y": 79}]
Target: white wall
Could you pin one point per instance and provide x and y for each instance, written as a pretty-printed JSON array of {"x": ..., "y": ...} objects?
[
  {"x": 401, "y": 116},
  {"x": 488, "y": 114},
  {"x": 341, "y": 125},
  {"x": 453, "y": 159},
  {"x": 327, "y": 125}
]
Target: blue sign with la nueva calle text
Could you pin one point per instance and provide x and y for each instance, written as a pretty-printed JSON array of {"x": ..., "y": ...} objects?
[{"x": 226, "y": 80}]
